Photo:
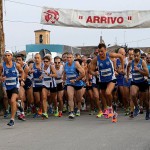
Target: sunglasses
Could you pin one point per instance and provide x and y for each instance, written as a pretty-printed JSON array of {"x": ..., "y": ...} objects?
[
  {"x": 57, "y": 62},
  {"x": 46, "y": 61}
]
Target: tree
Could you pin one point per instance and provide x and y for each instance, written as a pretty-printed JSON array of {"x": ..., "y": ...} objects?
[{"x": 2, "y": 45}]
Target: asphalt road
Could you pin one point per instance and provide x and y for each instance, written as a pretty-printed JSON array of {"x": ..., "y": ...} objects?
[{"x": 83, "y": 133}]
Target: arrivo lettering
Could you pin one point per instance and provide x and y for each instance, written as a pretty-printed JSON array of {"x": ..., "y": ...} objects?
[{"x": 103, "y": 19}]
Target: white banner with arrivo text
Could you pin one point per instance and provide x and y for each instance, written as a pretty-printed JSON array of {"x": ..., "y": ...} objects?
[{"x": 96, "y": 19}]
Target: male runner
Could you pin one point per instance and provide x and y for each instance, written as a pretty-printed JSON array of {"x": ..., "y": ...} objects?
[
  {"x": 106, "y": 75},
  {"x": 9, "y": 73}
]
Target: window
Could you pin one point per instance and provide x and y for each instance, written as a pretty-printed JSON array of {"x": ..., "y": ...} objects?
[{"x": 41, "y": 38}]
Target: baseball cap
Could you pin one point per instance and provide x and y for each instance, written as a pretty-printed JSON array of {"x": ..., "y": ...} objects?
[{"x": 8, "y": 52}]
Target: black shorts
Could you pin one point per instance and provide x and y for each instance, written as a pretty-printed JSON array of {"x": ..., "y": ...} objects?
[
  {"x": 143, "y": 86},
  {"x": 53, "y": 90},
  {"x": 65, "y": 87},
  {"x": 28, "y": 84},
  {"x": 94, "y": 85},
  {"x": 76, "y": 87},
  {"x": 44, "y": 87},
  {"x": 37, "y": 89},
  {"x": 60, "y": 87},
  {"x": 12, "y": 91},
  {"x": 103, "y": 85},
  {"x": 89, "y": 88}
]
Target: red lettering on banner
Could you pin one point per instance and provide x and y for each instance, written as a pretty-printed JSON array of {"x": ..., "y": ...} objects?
[
  {"x": 120, "y": 20},
  {"x": 89, "y": 20},
  {"x": 106, "y": 20},
  {"x": 113, "y": 20},
  {"x": 103, "y": 19},
  {"x": 96, "y": 19}
]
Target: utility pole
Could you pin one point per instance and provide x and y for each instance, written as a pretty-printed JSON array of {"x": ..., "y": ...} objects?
[{"x": 2, "y": 45}]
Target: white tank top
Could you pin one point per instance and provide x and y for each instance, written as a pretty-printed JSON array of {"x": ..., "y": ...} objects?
[
  {"x": 59, "y": 74},
  {"x": 125, "y": 69},
  {"x": 46, "y": 79}
]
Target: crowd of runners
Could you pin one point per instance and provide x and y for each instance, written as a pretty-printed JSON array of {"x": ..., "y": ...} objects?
[{"x": 43, "y": 86}]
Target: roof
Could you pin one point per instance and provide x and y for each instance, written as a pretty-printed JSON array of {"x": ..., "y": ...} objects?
[
  {"x": 113, "y": 48},
  {"x": 41, "y": 30},
  {"x": 22, "y": 52},
  {"x": 87, "y": 50},
  {"x": 52, "y": 48}
]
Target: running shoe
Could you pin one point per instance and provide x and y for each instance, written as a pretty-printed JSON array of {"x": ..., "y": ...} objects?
[
  {"x": 110, "y": 113},
  {"x": 50, "y": 110},
  {"x": 45, "y": 116},
  {"x": 35, "y": 115},
  {"x": 21, "y": 117},
  {"x": 11, "y": 123},
  {"x": 147, "y": 117},
  {"x": 71, "y": 115},
  {"x": 75, "y": 110},
  {"x": 99, "y": 115},
  {"x": 127, "y": 112},
  {"x": 60, "y": 114},
  {"x": 6, "y": 114},
  {"x": 131, "y": 115},
  {"x": 141, "y": 110},
  {"x": 39, "y": 111},
  {"x": 56, "y": 113},
  {"x": 78, "y": 113},
  {"x": 114, "y": 118},
  {"x": 136, "y": 111},
  {"x": 29, "y": 111},
  {"x": 105, "y": 113}
]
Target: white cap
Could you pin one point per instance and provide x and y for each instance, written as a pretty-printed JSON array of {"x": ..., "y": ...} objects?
[{"x": 8, "y": 52}]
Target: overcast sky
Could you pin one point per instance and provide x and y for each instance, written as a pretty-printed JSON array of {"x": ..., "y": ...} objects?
[{"x": 17, "y": 35}]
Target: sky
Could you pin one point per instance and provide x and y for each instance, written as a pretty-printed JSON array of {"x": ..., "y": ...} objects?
[{"x": 17, "y": 34}]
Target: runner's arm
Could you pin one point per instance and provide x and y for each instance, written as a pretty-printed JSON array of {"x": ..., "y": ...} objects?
[
  {"x": 128, "y": 69},
  {"x": 64, "y": 76},
  {"x": 54, "y": 74},
  {"x": 19, "y": 68},
  {"x": 92, "y": 67},
  {"x": 81, "y": 71},
  {"x": 26, "y": 71},
  {"x": 145, "y": 71},
  {"x": 116, "y": 55}
]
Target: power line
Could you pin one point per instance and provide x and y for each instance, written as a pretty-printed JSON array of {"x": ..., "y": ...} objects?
[
  {"x": 136, "y": 41},
  {"x": 23, "y": 3},
  {"x": 19, "y": 21}
]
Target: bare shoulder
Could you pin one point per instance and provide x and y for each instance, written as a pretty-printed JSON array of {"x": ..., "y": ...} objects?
[
  {"x": 77, "y": 63},
  {"x": 114, "y": 55},
  {"x": 144, "y": 63},
  {"x": 18, "y": 65},
  {"x": 94, "y": 60}
]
